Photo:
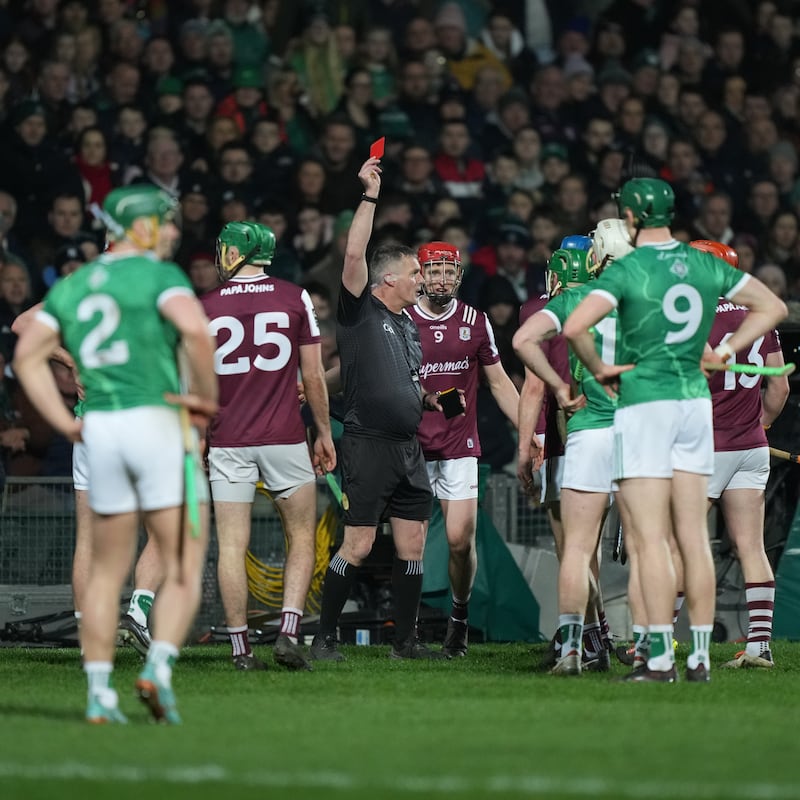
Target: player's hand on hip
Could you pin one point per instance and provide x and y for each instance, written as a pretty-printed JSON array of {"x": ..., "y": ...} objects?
[
  {"x": 201, "y": 409},
  {"x": 608, "y": 376}
]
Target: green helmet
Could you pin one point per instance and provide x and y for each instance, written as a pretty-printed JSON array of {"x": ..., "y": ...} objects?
[
  {"x": 568, "y": 267},
  {"x": 651, "y": 200},
  {"x": 244, "y": 237},
  {"x": 266, "y": 244},
  {"x": 125, "y": 205}
]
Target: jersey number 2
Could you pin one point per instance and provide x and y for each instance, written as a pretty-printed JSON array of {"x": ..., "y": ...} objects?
[
  {"x": 261, "y": 336},
  {"x": 92, "y": 352}
]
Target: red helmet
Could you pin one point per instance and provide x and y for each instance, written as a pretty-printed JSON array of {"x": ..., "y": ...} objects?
[
  {"x": 439, "y": 291},
  {"x": 718, "y": 249}
]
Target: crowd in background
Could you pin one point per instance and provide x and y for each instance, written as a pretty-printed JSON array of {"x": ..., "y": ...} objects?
[{"x": 508, "y": 125}]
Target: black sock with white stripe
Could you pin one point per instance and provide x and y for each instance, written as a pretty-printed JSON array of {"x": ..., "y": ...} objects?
[
  {"x": 339, "y": 579},
  {"x": 407, "y": 590}
]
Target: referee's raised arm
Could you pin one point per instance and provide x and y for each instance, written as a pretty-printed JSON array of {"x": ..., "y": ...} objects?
[{"x": 355, "y": 274}]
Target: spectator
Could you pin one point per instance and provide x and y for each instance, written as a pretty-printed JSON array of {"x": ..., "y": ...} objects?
[
  {"x": 203, "y": 272},
  {"x": 763, "y": 202},
  {"x": 571, "y": 204},
  {"x": 98, "y": 173},
  {"x": 236, "y": 170},
  {"x": 249, "y": 42},
  {"x": 64, "y": 223},
  {"x": 356, "y": 104},
  {"x": 168, "y": 103},
  {"x": 313, "y": 237},
  {"x": 527, "y": 147},
  {"x": 461, "y": 173},
  {"x": 505, "y": 41},
  {"x": 31, "y": 168},
  {"x": 53, "y": 87},
  {"x": 191, "y": 126},
  {"x": 221, "y": 59},
  {"x": 512, "y": 115},
  {"x": 746, "y": 247},
  {"x": 15, "y": 292},
  {"x": 287, "y": 99},
  {"x": 319, "y": 65},
  {"x": 415, "y": 99},
  {"x": 275, "y": 160},
  {"x": 781, "y": 242},
  {"x": 196, "y": 224},
  {"x": 714, "y": 220},
  {"x": 548, "y": 114},
  {"x": 246, "y": 103},
  {"x": 337, "y": 148},
  {"x": 128, "y": 142},
  {"x": 555, "y": 166},
  {"x": 774, "y": 278},
  {"x": 163, "y": 161},
  {"x": 380, "y": 60},
  {"x": 464, "y": 54}
]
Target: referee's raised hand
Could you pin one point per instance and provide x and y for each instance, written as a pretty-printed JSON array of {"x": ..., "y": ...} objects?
[{"x": 370, "y": 177}]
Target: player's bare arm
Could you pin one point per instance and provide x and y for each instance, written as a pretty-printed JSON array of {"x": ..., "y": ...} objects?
[
  {"x": 527, "y": 346},
  {"x": 776, "y": 392},
  {"x": 530, "y": 449},
  {"x": 316, "y": 393},
  {"x": 31, "y": 366},
  {"x": 766, "y": 310},
  {"x": 503, "y": 390},
  {"x": 355, "y": 274},
  {"x": 187, "y": 315}
]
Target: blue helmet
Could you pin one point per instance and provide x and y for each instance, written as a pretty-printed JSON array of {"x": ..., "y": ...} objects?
[{"x": 576, "y": 242}]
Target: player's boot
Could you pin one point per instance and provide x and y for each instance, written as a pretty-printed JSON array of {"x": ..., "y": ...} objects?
[
  {"x": 157, "y": 696},
  {"x": 325, "y": 648},
  {"x": 248, "y": 662},
  {"x": 103, "y": 708},
  {"x": 455, "y": 641},
  {"x": 413, "y": 648},
  {"x": 134, "y": 634},
  {"x": 743, "y": 659},
  {"x": 290, "y": 655},
  {"x": 568, "y": 665}
]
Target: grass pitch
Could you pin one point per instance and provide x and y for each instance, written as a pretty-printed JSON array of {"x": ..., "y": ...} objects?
[{"x": 489, "y": 726}]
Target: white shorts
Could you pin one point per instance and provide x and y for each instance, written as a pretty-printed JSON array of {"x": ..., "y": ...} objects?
[
  {"x": 80, "y": 466},
  {"x": 136, "y": 460},
  {"x": 454, "y": 478},
  {"x": 652, "y": 440},
  {"x": 739, "y": 469},
  {"x": 588, "y": 460},
  {"x": 282, "y": 468},
  {"x": 554, "y": 473}
]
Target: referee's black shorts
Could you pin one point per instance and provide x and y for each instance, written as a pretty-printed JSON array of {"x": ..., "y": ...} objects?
[{"x": 382, "y": 479}]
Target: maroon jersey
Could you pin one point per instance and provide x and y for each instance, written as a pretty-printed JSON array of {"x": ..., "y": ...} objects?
[
  {"x": 557, "y": 353},
  {"x": 454, "y": 345},
  {"x": 260, "y": 322},
  {"x": 737, "y": 398}
]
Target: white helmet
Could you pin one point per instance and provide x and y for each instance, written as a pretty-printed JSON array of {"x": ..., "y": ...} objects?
[{"x": 611, "y": 241}]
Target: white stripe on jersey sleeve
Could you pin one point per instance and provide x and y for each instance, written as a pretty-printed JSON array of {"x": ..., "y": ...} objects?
[
  {"x": 173, "y": 291},
  {"x": 48, "y": 319},
  {"x": 490, "y": 335},
  {"x": 608, "y": 296},
  {"x": 310, "y": 313}
]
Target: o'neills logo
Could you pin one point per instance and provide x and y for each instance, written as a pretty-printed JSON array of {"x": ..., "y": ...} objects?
[
  {"x": 247, "y": 288},
  {"x": 444, "y": 367}
]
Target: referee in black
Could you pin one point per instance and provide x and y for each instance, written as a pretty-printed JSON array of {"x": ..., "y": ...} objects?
[{"x": 383, "y": 470}]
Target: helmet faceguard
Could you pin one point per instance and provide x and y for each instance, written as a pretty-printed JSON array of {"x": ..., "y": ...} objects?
[
  {"x": 611, "y": 241},
  {"x": 441, "y": 271},
  {"x": 718, "y": 249},
  {"x": 243, "y": 237},
  {"x": 569, "y": 268}
]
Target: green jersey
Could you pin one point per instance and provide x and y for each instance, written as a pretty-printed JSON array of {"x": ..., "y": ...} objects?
[
  {"x": 599, "y": 409},
  {"x": 108, "y": 318},
  {"x": 666, "y": 296}
]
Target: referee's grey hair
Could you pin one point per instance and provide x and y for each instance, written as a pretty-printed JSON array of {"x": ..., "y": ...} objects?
[{"x": 385, "y": 260}]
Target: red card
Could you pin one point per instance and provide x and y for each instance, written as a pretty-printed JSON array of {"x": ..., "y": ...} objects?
[{"x": 377, "y": 147}]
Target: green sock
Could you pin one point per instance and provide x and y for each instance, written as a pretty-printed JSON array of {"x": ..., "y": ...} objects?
[
  {"x": 701, "y": 641},
  {"x": 571, "y": 627},
  {"x": 140, "y": 605},
  {"x": 662, "y": 656}
]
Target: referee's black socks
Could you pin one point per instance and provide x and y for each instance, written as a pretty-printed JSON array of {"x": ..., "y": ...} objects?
[
  {"x": 407, "y": 590},
  {"x": 339, "y": 579}
]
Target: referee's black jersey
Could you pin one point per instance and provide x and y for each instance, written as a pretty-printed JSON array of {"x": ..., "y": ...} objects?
[{"x": 380, "y": 356}]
